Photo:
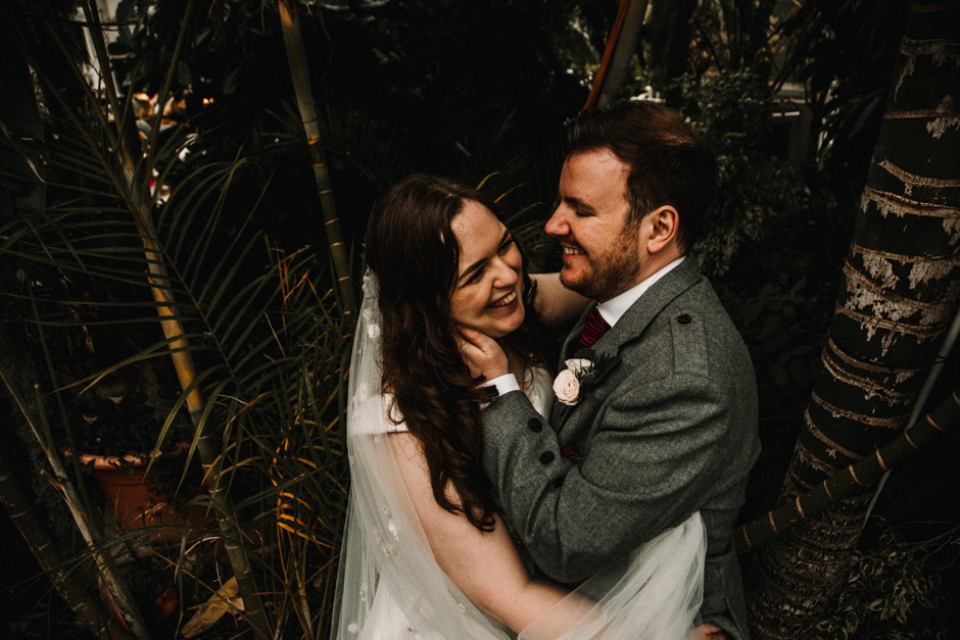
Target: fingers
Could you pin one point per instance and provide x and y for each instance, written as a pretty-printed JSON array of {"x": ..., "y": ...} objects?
[
  {"x": 476, "y": 344},
  {"x": 473, "y": 356},
  {"x": 476, "y": 338},
  {"x": 481, "y": 353},
  {"x": 463, "y": 337}
]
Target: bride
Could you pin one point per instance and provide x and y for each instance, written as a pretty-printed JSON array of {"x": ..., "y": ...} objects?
[{"x": 426, "y": 553}]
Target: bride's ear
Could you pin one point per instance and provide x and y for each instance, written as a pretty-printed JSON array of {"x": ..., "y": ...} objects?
[{"x": 662, "y": 226}]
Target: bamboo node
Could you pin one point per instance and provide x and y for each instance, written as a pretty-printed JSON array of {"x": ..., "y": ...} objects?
[
  {"x": 934, "y": 424},
  {"x": 853, "y": 474},
  {"x": 906, "y": 434},
  {"x": 883, "y": 465},
  {"x": 19, "y": 514}
]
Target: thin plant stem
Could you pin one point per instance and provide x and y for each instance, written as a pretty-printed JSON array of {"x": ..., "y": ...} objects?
[{"x": 297, "y": 59}]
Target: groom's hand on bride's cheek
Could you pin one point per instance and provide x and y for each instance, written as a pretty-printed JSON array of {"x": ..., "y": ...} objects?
[{"x": 481, "y": 353}]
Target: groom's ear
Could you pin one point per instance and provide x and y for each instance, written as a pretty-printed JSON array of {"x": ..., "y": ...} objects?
[{"x": 663, "y": 224}]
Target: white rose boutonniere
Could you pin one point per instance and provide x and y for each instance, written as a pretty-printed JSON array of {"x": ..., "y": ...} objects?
[
  {"x": 581, "y": 373},
  {"x": 567, "y": 383},
  {"x": 567, "y": 387}
]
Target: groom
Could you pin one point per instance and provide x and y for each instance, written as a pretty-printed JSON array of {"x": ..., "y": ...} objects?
[{"x": 667, "y": 425}]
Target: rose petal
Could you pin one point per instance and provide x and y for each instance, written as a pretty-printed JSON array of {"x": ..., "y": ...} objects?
[{"x": 567, "y": 387}]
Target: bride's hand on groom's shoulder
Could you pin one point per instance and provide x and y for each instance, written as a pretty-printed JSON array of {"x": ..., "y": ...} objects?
[{"x": 481, "y": 353}]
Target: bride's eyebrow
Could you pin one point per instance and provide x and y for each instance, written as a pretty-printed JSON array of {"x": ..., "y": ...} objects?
[{"x": 482, "y": 261}]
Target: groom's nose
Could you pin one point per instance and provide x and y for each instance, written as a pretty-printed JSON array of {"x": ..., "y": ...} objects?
[{"x": 557, "y": 225}]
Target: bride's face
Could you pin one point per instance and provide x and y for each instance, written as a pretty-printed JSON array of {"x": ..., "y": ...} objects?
[{"x": 488, "y": 295}]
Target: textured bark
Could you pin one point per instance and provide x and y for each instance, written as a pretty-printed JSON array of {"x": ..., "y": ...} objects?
[
  {"x": 851, "y": 481},
  {"x": 898, "y": 296}
]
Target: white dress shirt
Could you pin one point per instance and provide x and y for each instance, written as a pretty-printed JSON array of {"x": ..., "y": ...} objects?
[{"x": 611, "y": 311}]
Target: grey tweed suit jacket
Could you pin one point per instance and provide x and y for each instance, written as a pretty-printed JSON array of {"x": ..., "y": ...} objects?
[{"x": 669, "y": 430}]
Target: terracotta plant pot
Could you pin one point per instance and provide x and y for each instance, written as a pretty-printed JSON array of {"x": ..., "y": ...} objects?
[{"x": 135, "y": 501}]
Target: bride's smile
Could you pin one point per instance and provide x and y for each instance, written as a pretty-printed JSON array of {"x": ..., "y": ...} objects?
[
  {"x": 505, "y": 300},
  {"x": 488, "y": 294}
]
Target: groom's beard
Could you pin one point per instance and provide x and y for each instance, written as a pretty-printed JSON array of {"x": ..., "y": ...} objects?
[{"x": 614, "y": 272}]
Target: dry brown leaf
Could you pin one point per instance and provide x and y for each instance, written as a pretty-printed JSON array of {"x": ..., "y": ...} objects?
[{"x": 207, "y": 615}]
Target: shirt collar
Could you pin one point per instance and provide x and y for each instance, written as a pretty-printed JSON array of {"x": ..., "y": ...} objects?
[{"x": 614, "y": 308}]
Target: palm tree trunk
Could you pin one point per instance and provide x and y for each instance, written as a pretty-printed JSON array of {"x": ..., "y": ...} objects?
[
  {"x": 899, "y": 294},
  {"x": 851, "y": 481},
  {"x": 297, "y": 59}
]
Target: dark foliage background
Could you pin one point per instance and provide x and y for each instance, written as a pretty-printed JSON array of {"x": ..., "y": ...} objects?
[{"x": 480, "y": 89}]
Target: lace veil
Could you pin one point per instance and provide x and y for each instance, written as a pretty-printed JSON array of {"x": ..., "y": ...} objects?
[{"x": 390, "y": 587}]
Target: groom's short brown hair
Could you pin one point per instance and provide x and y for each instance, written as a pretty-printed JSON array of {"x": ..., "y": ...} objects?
[{"x": 669, "y": 163}]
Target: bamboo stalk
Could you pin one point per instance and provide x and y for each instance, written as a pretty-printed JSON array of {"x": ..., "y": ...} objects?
[
  {"x": 210, "y": 459},
  {"x": 84, "y": 604},
  {"x": 297, "y": 60},
  {"x": 612, "y": 39},
  {"x": 626, "y": 39},
  {"x": 142, "y": 203},
  {"x": 852, "y": 480}
]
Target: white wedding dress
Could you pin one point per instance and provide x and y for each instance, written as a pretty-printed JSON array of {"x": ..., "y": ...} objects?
[{"x": 390, "y": 586}]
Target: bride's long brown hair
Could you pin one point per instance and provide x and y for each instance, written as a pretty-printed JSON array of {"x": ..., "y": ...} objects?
[{"x": 412, "y": 249}]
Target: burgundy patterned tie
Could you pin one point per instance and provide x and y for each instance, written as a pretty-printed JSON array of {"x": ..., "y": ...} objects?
[{"x": 594, "y": 329}]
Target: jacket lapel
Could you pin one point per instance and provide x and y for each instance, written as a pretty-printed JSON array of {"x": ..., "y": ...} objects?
[
  {"x": 632, "y": 324},
  {"x": 574, "y": 335}
]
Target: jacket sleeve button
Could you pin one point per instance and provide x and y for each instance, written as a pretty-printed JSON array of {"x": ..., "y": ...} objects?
[
  {"x": 535, "y": 425},
  {"x": 546, "y": 457},
  {"x": 684, "y": 318}
]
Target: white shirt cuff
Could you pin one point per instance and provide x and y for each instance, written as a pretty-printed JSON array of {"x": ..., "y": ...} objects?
[{"x": 504, "y": 384}]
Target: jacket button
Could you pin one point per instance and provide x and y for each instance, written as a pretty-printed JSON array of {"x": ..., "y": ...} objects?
[
  {"x": 684, "y": 318},
  {"x": 535, "y": 425},
  {"x": 546, "y": 457}
]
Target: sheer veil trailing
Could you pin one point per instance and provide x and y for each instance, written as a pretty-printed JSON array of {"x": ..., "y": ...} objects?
[{"x": 390, "y": 587}]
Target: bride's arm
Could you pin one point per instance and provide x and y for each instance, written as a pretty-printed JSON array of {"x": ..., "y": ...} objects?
[
  {"x": 485, "y": 566},
  {"x": 559, "y": 307}
]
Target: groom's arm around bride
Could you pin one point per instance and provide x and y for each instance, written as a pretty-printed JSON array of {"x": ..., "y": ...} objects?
[{"x": 667, "y": 426}]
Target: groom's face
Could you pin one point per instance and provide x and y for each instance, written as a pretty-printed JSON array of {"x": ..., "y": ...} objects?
[{"x": 601, "y": 249}]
